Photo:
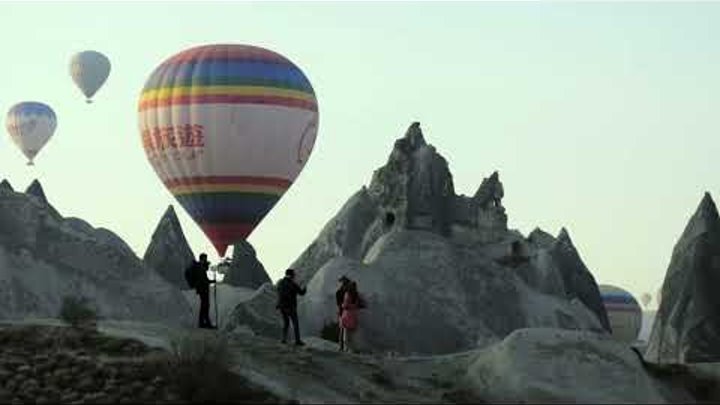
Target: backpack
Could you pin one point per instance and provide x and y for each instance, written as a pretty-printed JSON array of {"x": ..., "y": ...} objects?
[{"x": 191, "y": 275}]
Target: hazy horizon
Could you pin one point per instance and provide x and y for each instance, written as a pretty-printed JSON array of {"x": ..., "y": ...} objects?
[{"x": 600, "y": 118}]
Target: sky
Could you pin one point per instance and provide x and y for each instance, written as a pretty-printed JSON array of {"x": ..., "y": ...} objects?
[{"x": 600, "y": 117}]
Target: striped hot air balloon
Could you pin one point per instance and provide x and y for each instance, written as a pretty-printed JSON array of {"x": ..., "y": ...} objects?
[
  {"x": 624, "y": 312},
  {"x": 228, "y": 128},
  {"x": 30, "y": 125}
]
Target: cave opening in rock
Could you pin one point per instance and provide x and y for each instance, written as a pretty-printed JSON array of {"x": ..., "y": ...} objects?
[{"x": 389, "y": 219}]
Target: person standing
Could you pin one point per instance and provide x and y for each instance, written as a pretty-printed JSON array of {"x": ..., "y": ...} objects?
[
  {"x": 339, "y": 299},
  {"x": 288, "y": 290},
  {"x": 352, "y": 303},
  {"x": 202, "y": 288}
]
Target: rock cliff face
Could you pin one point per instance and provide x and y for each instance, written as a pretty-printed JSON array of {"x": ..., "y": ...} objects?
[
  {"x": 45, "y": 257},
  {"x": 6, "y": 187},
  {"x": 441, "y": 272},
  {"x": 168, "y": 252},
  {"x": 35, "y": 189},
  {"x": 244, "y": 269},
  {"x": 579, "y": 282},
  {"x": 687, "y": 324},
  {"x": 413, "y": 191},
  {"x": 556, "y": 366}
]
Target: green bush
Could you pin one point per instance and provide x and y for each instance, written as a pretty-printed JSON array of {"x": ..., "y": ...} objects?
[{"x": 78, "y": 312}]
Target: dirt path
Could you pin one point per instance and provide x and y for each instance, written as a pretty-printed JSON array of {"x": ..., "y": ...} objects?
[{"x": 316, "y": 374}]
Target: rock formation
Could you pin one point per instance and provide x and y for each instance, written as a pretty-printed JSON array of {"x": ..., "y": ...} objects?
[
  {"x": 35, "y": 189},
  {"x": 257, "y": 314},
  {"x": 441, "y": 272},
  {"x": 557, "y": 366},
  {"x": 244, "y": 269},
  {"x": 6, "y": 187},
  {"x": 579, "y": 282},
  {"x": 45, "y": 257},
  {"x": 413, "y": 191},
  {"x": 687, "y": 324},
  {"x": 169, "y": 252}
]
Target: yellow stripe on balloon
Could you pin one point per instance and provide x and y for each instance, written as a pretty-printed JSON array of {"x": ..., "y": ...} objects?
[{"x": 166, "y": 92}]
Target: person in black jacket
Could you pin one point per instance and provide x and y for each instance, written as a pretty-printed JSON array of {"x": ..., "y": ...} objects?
[
  {"x": 202, "y": 288},
  {"x": 288, "y": 291}
]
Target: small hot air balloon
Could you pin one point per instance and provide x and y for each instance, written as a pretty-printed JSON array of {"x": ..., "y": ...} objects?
[
  {"x": 228, "y": 128},
  {"x": 89, "y": 70},
  {"x": 646, "y": 298},
  {"x": 31, "y": 124},
  {"x": 624, "y": 313}
]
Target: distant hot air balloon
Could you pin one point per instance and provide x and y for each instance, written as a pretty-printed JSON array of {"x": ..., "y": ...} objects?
[
  {"x": 89, "y": 70},
  {"x": 30, "y": 124},
  {"x": 624, "y": 312},
  {"x": 228, "y": 128},
  {"x": 646, "y": 298}
]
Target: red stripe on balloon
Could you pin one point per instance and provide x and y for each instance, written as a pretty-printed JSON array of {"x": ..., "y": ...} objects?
[
  {"x": 249, "y": 180},
  {"x": 227, "y": 99},
  {"x": 224, "y": 235}
]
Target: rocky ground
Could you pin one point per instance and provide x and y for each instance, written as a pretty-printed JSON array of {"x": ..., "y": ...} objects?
[
  {"x": 53, "y": 364},
  {"x": 135, "y": 362}
]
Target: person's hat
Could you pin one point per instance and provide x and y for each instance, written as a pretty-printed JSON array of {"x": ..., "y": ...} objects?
[
  {"x": 343, "y": 279},
  {"x": 289, "y": 272}
]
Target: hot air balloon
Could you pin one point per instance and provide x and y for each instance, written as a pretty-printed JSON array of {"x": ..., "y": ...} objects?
[
  {"x": 31, "y": 124},
  {"x": 624, "y": 312},
  {"x": 228, "y": 128},
  {"x": 89, "y": 70}
]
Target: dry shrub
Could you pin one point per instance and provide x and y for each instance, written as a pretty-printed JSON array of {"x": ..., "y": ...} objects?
[
  {"x": 199, "y": 366},
  {"x": 78, "y": 313}
]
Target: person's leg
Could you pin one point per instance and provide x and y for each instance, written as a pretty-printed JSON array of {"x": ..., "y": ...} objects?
[
  {"x": 341, "y": 338},
  {"x": 296, "y": 326},
  {"x": 204, "y": 307},
  {"x": 346, "y": 338},
  {"x": 200, "y": 311},
  {"x": 208, "y": 323},
  {"x": 286, "y": 325}
]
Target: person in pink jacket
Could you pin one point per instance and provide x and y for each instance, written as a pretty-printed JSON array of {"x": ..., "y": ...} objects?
[{"x": 349, "y": 318}]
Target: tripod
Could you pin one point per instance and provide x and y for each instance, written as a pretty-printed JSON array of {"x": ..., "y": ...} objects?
[{"x": 217, "y": 325}]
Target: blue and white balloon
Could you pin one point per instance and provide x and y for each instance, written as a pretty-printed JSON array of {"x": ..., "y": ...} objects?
[{"x": 30, "y": 125}]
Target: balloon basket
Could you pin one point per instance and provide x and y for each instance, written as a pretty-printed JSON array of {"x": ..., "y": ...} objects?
[
  {"x": 30, "y": 163},
  {"x": 88, "y": 101}
]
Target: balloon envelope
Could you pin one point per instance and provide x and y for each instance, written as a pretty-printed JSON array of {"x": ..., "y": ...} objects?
[
  {"x": 89, "y": 70},
  {"x": 228, "y": 128},
  {"x": 623, "y": 311},
  {"x": 30, "y": 125}
]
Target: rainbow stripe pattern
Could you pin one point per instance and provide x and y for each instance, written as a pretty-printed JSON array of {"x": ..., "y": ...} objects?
[
  {"x": 227, "y": 208},
  {"x": 228, "y": 74},
  {"x": 226, "y": 197}
]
